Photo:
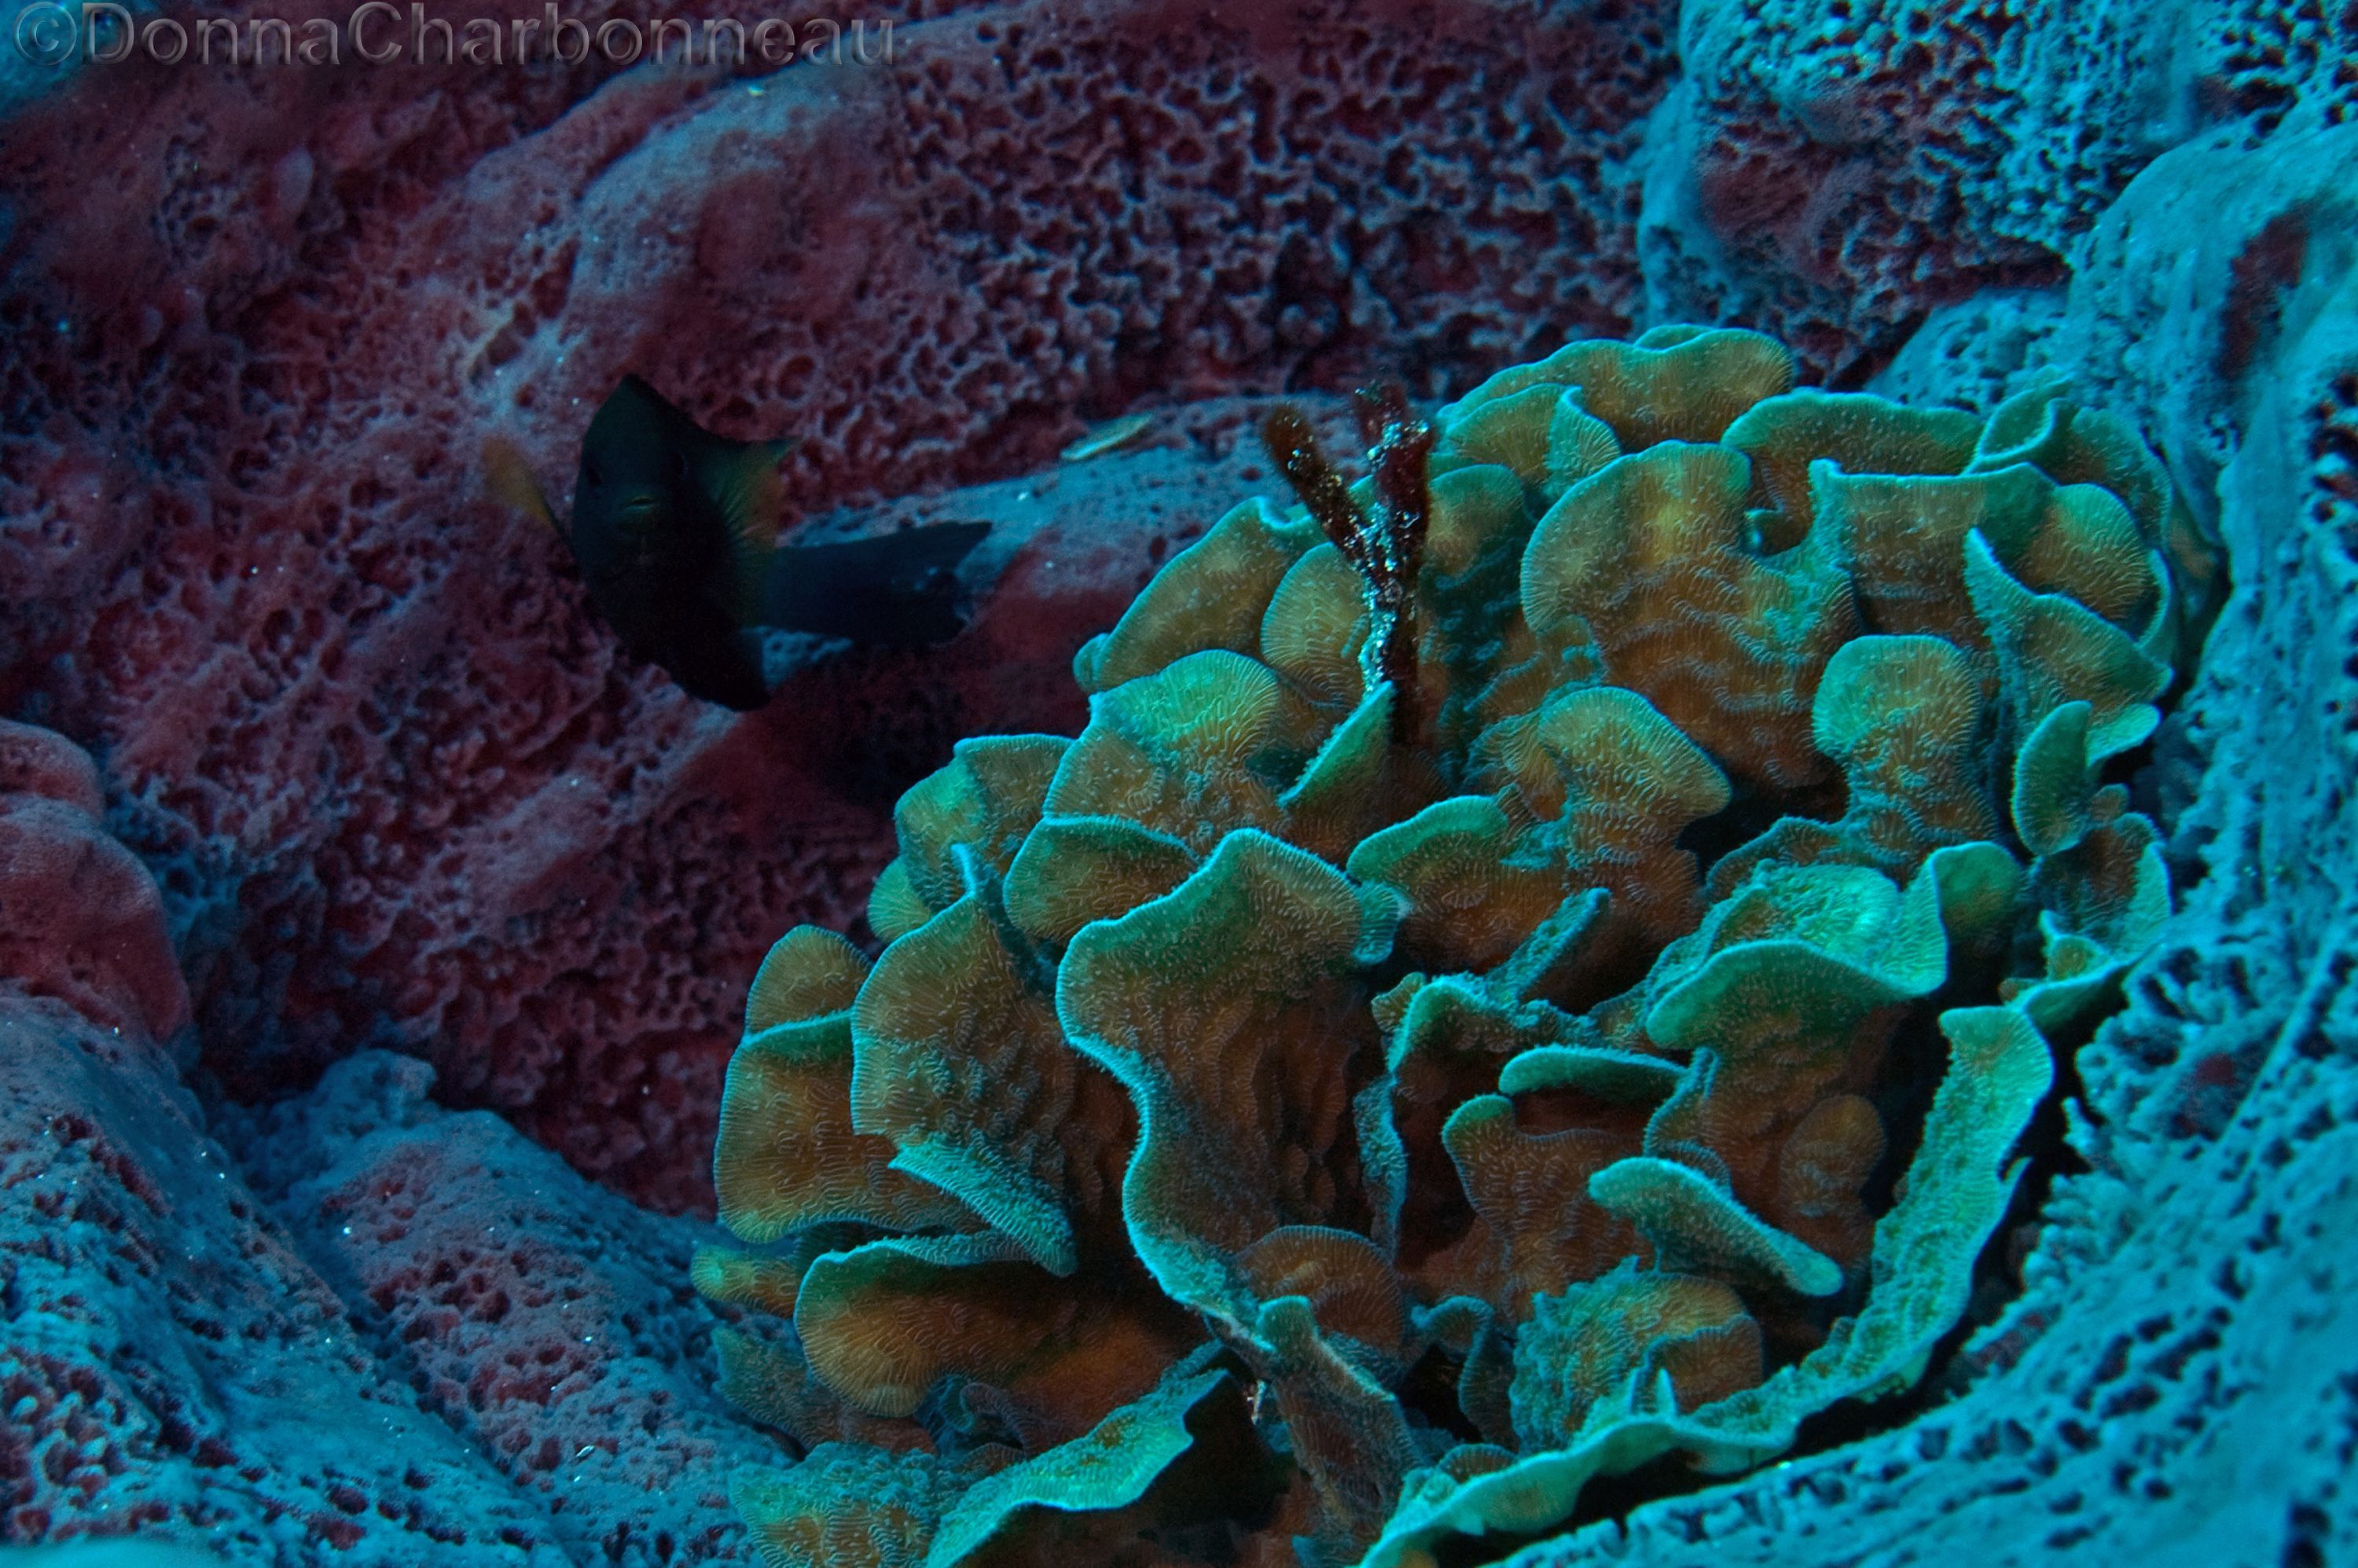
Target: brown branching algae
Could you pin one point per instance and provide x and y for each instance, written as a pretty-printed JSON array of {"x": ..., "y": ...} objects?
[{"x": 1537, "y": 966}]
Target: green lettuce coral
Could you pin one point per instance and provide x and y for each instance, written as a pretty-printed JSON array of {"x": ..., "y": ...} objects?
[{"x": 1537, "y": 962}]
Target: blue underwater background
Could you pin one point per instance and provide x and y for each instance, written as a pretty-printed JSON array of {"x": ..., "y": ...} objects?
[{"x": 1537, "y": 780}]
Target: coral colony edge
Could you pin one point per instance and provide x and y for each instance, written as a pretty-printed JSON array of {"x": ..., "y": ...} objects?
[
  {"x": 1182, "y": 783},
  {"x": 1329, "y": 1107}
]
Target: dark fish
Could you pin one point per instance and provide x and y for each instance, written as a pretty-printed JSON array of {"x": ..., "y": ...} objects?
[{"x": 676, "y": 532}]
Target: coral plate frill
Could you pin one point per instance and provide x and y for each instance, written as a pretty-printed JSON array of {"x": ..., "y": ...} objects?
[{"x": 1349, "y": 1098}]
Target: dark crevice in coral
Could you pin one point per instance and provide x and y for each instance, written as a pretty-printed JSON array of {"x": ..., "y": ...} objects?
[
  {"x": 1474, "y": 1551},
  {"x": 2046, "y": 1154},
  {"x": 2045, "y": 1145},
  {"x": 1749, "y": 813},
  {"x": 1429, "y": 1392},
  {"x": 1902, "y": 1094},
  {"x": 2165, "y": 775},
  {"x": 1435, "y": 1215},
  {"x": 1593, "y": 982},
  {"x": 1869, "y": 361}
]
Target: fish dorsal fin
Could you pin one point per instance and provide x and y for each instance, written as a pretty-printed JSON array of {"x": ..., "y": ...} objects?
[
  {"x": 744, "y": 486},
  {"x": 507, "y": 479}
]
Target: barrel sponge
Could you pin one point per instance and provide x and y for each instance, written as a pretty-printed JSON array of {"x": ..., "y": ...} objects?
[{"x": 1538, "y": 961}]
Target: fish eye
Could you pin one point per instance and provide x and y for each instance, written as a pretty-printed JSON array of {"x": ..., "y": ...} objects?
[
  {"x": 679, "y": 465},
  {"x": 590, "y": 472}
]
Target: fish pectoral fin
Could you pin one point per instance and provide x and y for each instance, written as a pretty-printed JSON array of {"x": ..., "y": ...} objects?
[
  {"x": 507, "y": 479},
  {"x": 744, "y": 486}
]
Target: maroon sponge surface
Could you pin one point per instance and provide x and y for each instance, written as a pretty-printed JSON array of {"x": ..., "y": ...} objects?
[{"x": 397, "y": 782}]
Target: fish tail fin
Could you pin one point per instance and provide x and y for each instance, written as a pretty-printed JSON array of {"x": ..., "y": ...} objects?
[
  {"x": 896, "y": 589},
  {"x": 507, "y": 479}
]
